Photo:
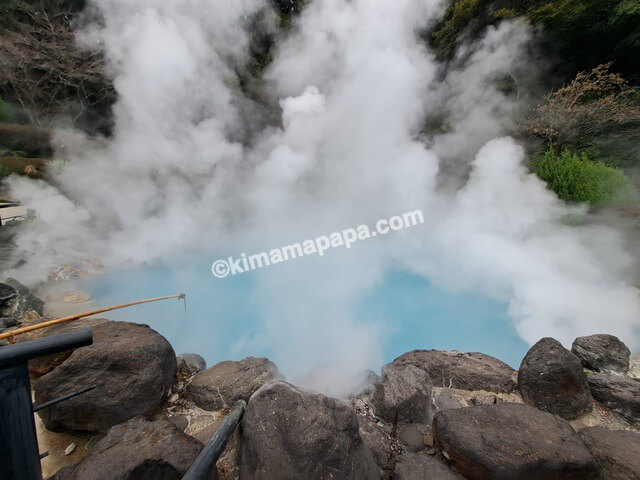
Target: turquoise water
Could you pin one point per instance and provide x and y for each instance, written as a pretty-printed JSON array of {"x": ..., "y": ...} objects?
[{"x": 223, "y": 317}]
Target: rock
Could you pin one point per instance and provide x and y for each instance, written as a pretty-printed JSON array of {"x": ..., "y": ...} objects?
[
  {"x": 133, "y": 367},
  {"x": 41, "y": 365},
  {"x": 8, "y": 300},
  {"x": 551, "y": 379},
  {"x": 377, "y": 438},
  {"x": 634, "y": 366},
  {"x": 288, "y": 433},
  {"x": 224, "y": 383},
  {"x": 418, "y": 466},
  {"x": 412, "y": 436},
  {"x": 484, "y": 399},
  {"x": 508, "y": 440},
  {"x": 602, "y": 352},
  {"x": 15, "y": 301},
  {"x": 138, "y": 449},
  {"x": 26, "y": 300},
  {"x": 466, "y": 371},
  {"x": 444, "y": 399},
  {"x": 617, "y": 452},
  {"x": 403, "y": 394},
  {"x": 191, "y": 363},
  {"x": 70, "y": 449},
  {"x": 617, "y": 393}
]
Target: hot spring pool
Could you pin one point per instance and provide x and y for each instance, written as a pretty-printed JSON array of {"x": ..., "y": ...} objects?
[{"x": 224, "y": 320}]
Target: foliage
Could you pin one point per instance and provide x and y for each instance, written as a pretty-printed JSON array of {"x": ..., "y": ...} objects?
[
  {"x": 264, "y": 27},
  {"x": 583, "y": 33},
  {"x": 592, "y": 104},
  {"x": 48, "y": 75},
  {"x": 575, "y": 178},
  {"x": 287, "y": 10},
  {"x": 460, "y": 16}
]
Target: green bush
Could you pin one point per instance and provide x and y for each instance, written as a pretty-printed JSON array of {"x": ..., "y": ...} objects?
[{"x": 575, "y": 178}]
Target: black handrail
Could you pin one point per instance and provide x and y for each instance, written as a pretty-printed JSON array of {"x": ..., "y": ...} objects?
[
  {"x": 24, "y": 351},
  {"x": 206, "y": 461},
  {"x": 19, "y": 456}
]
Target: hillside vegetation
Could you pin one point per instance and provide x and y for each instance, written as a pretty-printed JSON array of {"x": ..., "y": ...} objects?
[{"x": 588, "y": 121}]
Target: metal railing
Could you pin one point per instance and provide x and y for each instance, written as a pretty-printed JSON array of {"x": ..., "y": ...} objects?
[
  {"x": 206, "y": 461},
  {"x": 19, "y": 455}
]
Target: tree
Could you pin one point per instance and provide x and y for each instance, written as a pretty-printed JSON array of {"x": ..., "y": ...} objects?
[
  {"x": 594, "y": 103},
  {"x": 44, "y": 71}
]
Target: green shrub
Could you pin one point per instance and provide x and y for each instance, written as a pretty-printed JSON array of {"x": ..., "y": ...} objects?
[{"x": 575, "y": 178}]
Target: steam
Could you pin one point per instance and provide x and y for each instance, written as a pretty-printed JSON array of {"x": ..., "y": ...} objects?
[{"x": 354, "y": 84}]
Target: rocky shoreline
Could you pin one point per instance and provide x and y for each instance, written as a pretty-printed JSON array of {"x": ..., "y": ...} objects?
[{"x": 570, "y": 414}]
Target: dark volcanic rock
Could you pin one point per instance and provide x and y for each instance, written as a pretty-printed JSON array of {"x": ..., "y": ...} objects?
[
  {"x": 509, "y": 441},
  {"x": 191, "y": 363},
  {"x": 466, "y": 371},
  {"x": 602, "y": 352},
  {"x": 8, "y": 302},
  {"x": 551, "y": 379},
  {"x": 403, "y": 394},
  {"x": 618, "y": 393},
  {"x": 15, "y": 301},
  {"x": 420, "y": 466},
  {"x": 133, "y": 367},
  {"x": 444, "y": 399},
  {"x": 377, "y": 438},
  {"x": 138, "y": 449},
  {"x": 617, "y": 452},
  {"x": 288, "y": 433},
  {"x": 224, "y": 383},
  {"x": 412, "y": 436},
  {"x": 41, "y": 365}
]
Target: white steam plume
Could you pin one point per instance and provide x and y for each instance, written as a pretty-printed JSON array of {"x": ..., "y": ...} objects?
[{"x": 355, "y": 84}]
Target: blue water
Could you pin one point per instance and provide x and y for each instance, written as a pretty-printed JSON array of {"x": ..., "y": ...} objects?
[{"x": 221, "y": 315}]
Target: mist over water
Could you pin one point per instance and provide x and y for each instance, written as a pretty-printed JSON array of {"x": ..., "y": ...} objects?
[{"x": 354, "y": 84}]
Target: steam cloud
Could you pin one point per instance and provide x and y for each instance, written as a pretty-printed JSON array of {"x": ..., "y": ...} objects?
[{"x": 354, "y": 84}]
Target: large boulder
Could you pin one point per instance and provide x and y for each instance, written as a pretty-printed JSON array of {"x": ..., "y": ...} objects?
[
  {"x": 41, "y": 365},
  {"x": 291, "y": 434},
  {"x": 377, "y": 438},
  {"x": 602, "y": 352},
  {"x": 403, "y": 394},
  {"x": 509, "y": 440},
  {"x": 224, "y": 383},
  {"x": 420, "y": 466},
  {"x": 466, "y": 371},
  {"x": 617, "y": 393},
  {"x": 15, "y": 301},
  {"x": 551, "y": 379},
  {"x": 133, "y": 367},
  {"x": 444, "y": 398},
  {"x": 617, "y": 452},
  {"x": 138, "y": 449}
]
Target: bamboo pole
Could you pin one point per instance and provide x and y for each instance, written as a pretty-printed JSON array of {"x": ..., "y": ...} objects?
[{"x": 11, "y": 335}]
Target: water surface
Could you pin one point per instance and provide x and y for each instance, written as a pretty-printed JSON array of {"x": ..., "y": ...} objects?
[{"x": 223, "y": 318}]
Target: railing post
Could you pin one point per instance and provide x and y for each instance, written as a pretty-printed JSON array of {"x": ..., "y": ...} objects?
[
  {"x": 19, "y": 456},
  {"x": 206, "y": 461}
]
